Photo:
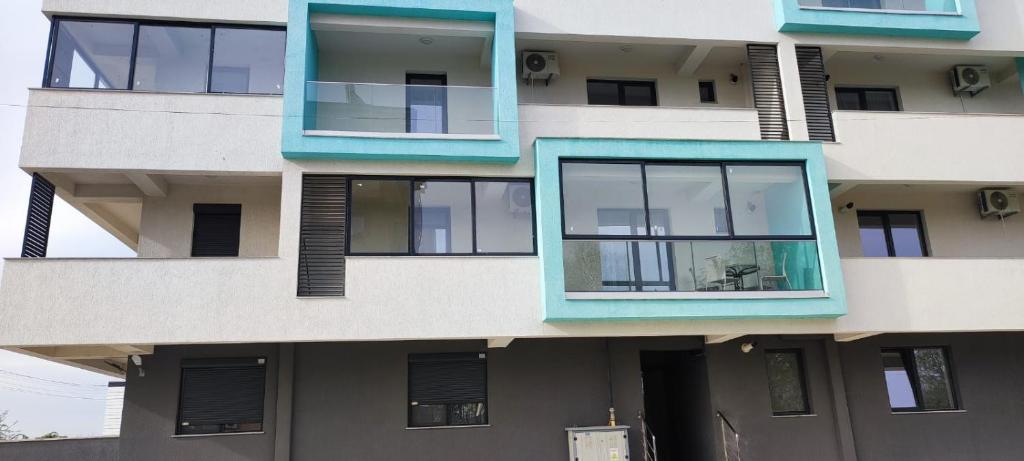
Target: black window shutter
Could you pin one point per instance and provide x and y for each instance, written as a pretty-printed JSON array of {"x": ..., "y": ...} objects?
[
  {"x": 766, "y": 79},
  {"x": 441, "y": 378},
  {"x": 217, "y": 392},
  {"x": 216, "y": 229},
  {"x": 815, "y": 89},
  {"x": 322, "y": 236},
  {"x": 37, "y": 223}
]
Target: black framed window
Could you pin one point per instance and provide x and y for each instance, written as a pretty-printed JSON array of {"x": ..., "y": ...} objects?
[
  {"x": 164, "y": 56},
  {"x": 221, "y": 396},
  {"x": 426, "y": 103},
  {"x": 876, "y": 99},
  {"x": 447, "y": 389},
  {"x": 759, "y": 200},
  {"x": 440, "y": 216},
  {"x": 708, "y": 92},
  {"x": 216, "y": 229},
  {"x": 892, "y": 234},
  {"x": 621, "y": 93},
  {"x": 787, "y": 382},
  {"x": 919, "y": 379}
]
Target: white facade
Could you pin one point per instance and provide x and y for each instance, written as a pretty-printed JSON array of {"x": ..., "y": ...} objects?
[{"x": 136, "y": 162}]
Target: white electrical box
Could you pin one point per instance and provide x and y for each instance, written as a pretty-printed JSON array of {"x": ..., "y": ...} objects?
[{"x": 598, "y": 443}]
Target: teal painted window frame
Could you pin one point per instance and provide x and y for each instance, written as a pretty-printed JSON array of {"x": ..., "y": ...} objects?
[
  {"x": 963, "y": 25},
  {"x": 642, "y": 306},
  {"x": 301, "y": 66}
]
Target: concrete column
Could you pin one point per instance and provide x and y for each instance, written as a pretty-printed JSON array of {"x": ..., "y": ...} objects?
[
  {"x": 844, "y": 426},
  {"x": 796, "y": 115},
  {"x": 285, "y": 384}
]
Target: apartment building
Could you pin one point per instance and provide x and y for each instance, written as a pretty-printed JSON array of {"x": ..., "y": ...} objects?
[{"x": 449, "y": 229}]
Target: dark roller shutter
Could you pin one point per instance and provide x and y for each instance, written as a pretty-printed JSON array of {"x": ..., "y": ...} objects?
[
  {"x": 815, "y": 89},
  {"x": 37, "y": 223},
  {"x": 322, "y": 236},
  {"x": 218, "y": 392},
  {"x": 216, "y": 229},
  {"x": 440, "y": 378},
  {"x": 767, "y": 86}
]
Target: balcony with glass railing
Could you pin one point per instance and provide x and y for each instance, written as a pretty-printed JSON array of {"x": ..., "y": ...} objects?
[
  {"x": 353, "y": 109},
  {"x": 691, "y": 266},
  {"x": 935, "y": 19}
]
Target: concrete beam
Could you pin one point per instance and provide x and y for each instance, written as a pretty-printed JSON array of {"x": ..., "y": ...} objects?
[
  {"x": 688, "y": 66},
  {"x": 149, "y": 184},
  {"x": 719, "y": 339},
  {"x": 827, "y": 53},
  {"x": 407, "y": 26},
  {"x": 499, "y": 343},
  {"x": 133, "y": 349},
  {"x": 106, "y": 220},
  {"x": 78, "y": 352},
  {"x": 841, "y": 189},
  {"x": 850, "y": 337},
  {"x": 123, "y": 193}
]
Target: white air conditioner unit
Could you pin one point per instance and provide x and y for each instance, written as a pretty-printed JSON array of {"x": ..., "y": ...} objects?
[
  {"x": 519, "y": 200},
  {"x": 970, "y": 79},
  {"x": 540, "y": 65},
  {"x": 998, "y": 202}
]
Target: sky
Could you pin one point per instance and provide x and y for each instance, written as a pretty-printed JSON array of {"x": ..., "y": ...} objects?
[{"x": 41, "y": 396}]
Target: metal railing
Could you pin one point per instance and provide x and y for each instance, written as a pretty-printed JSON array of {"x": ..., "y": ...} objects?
[
  {"x": 394, "y": 108},
  {"x": 731, "y": 447},
  {"x": 649, "y": 441}
]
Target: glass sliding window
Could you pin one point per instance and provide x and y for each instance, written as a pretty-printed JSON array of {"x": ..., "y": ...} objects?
[
  {"x": 91, "y": 54},
  {"x": 892, "y": 233},
  {"x": 919, "y": 379},
  {"x": 768, "y": 200},
  {"x": 876, "y": 99},
  {"x": 442, "y": 217},
  {"x": 588, "y": 188},
  {"x": 787, "y": 383},
  {"x": 379, "y": 216},
  {"x": 621, "y": 93},
  {"x": 690, "y": 196},
  {"x": 504, "y": 217},
  {"x": 172, "y": 59},
  {"x": 248, "y": 61}
]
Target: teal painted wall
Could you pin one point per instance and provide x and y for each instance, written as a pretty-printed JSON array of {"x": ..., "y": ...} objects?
[
  {"x": 301, "y": 66},
  {"x": 549, "y": 239},
  {"x": 937, "y": 23}
]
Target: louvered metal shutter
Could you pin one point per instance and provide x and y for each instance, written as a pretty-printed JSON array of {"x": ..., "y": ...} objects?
[
  {"x": 767, "y": 86},
  {"x": 441, "y": 378},
  {"x": 215, "y": 392},
  {"x": 322, "y": 236},
  {"x": 216, "y": 229},
  {"x": 37, "y": 223},
  {"x": 815, "y": 89}
]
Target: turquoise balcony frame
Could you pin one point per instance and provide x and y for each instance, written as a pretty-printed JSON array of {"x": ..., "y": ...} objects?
[
  {"x": 941, "y": 19},
  {"x": 828, "y": 302},
  {"x": 301, "y": 66}
]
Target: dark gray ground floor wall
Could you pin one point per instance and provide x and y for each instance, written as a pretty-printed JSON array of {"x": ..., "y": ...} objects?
[
  {"x": 349, "y": 401},
  {"x": 88, "y": 449}
]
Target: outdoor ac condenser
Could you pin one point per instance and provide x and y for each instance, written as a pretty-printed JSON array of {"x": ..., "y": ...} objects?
[{"x": 598, "y": 443}]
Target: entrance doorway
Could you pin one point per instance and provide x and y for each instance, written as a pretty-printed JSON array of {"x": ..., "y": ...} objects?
[{"x": 677, "y": 406}]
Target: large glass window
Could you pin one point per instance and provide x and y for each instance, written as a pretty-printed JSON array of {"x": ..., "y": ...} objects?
[
  {"x": 426, "y": 103},
  {"x": 588, "y": 188},
  {"x": 662, "y": 226},
  {"x": 443, "y": 216},
  {"x": 786, "y": 382},
  {"x": 891, "y": 233},
  {"x": 504, "y": 217},
  {"x": 379, "y": 216},
  {"x": 621, "y": 93},
  {"x": 172, "y": 58},
  {"x": 768, "y": 200},
  {"x": 91, "y": 54},
  {"x": 248, "y": 61},
  {"x": 876, "y": 99},
  {"x": 919, "y": 379}
]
